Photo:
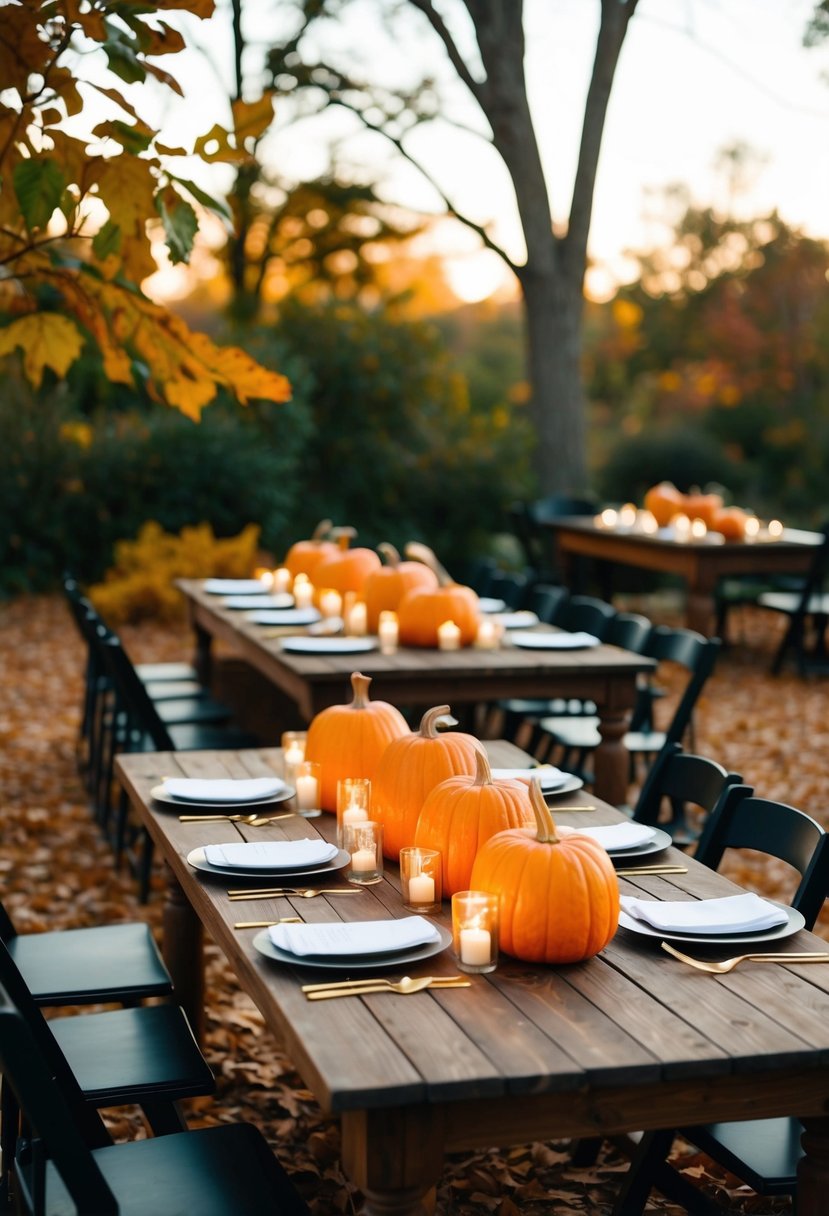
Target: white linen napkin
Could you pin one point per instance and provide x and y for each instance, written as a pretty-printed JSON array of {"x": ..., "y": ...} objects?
[
  {"x": 223, "y": 789},
  {"x": 729, "y": 914},
  {"x": 233, "y": 586},
  {"x": 550, "y": 778},
  {"x": 271, "y": 854},
  {"x": 258, "y": 600},
  {"x": 358, "y": 937},
  {"x": 616, "y": 837}
]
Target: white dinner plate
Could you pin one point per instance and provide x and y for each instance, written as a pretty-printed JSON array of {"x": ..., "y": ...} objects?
[
  {"x": 570, "y": 786},
  {"x": 487, "y": 603},
  {"x": 329, "y": 645},
  {"x": 283, "y": 616},
  {"x": 550, "y": 783},
  {"x": 265, "y": 600},
  {"x": 198, "y": 861},
  {"x": 659, "y": 841},
  {"x": 546, "y": 640},
  {"x": 794, "y": 921},
  {"x": 362, "y": 962},
  {"x": 517, "y": 620},
  {"x": 233, "y": 586},
  {"x": 159, "y": 794}
]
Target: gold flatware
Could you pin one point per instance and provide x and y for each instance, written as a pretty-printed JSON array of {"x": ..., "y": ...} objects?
[
  {"x": 256, "y": 821},
  {"x": 339, "y": 985},
  {"x": 729, "y": 964},
  {"x": 557, "y": 808},
  {"x": 666, "y": 869},
  {"x": 266, "y": 924},
  {"x": 301, "y": 892},
  {"x": 404, "y": 987}
]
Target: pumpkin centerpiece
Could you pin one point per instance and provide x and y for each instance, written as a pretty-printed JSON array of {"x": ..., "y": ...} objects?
[
  {"x": 664, "y": 501},
  {"x": 730, "y": 522},
  {"x": 305, "y": 555},
  {"x": 385, "y": 588},
  {"x": 463, "y": 812},
  {"x": 423, "y": 610},
  {"x": 703, "y": 506},
  {"x": 409, "y": 769},
  {"x": 347, "y": 569},
  {"x": 348, "y": 740},
  {"x": 559, "y": 896}
]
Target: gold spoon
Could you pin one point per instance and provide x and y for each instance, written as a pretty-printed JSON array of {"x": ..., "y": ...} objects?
[{"x": 728, "y": 964}]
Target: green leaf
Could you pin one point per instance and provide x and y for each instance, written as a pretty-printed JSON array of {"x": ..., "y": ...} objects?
[
  {"x": 133, "y": 137},
  {"x": 107, "y": 240},
  {"x": 212, "y": 204},
  {"x": 180, "y": 224},
  {"x": 121, "y": 55},
  {"x": 39, "y": 185}
]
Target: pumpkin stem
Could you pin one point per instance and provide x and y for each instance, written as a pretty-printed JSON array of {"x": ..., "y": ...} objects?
[
  {"x": 389, "y": 554},
  {"x": 483, "y": 773},
  {"x": 360, "y": 685},
  {"x": 545, "y": 825},
  {"x": 344, "y": 536},
  {"x": 422, "y": 553},
  {"x": 429, "y": 721},
  {"x": 322, "y": 529}
]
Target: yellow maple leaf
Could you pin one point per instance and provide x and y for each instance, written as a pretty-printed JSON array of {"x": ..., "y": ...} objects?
[
  {"x": 46, "y": 340},
  {"x": 127, "y": 189},
  {"x": 251, "y": 118}
]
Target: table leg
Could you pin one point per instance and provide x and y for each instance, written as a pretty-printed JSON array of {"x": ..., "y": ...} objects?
[
  {"x": 395, "y": 1157},
  {"x": 181, "y": 947},
  {"x": 700, "y": 604},
  {"x": 611, "y": 763},
  {"x": 203, "y": 658},
  {"x": 813, "y": 1171}
]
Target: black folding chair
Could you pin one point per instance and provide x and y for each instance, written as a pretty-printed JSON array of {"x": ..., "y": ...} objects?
[
  {"x": 807, "y": 610},
  {"x": 65, "y": 1163}
]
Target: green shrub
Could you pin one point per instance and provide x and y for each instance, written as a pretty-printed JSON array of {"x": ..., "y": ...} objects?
[{"x": 684, "y": 455}]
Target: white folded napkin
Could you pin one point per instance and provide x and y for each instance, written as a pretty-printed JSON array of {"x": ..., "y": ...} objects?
[
  {"x": 233, "y": 586},
  {"x": 616, "y": 837},
  {"x": 550, "y": 778},
  {"x": 271, "y": 854},
  {"x": 730, "y": 914},
  {"x": 259, "y": 600},
  {"x": 360, "y": 937},
  {"x": 282, "y": 616},
  {"x": 517, "y": 620},
  {"x": 223, "y": 789}
]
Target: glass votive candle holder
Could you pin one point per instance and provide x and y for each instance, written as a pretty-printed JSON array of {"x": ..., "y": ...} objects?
[
  {"x": 363, "y": 841},
  {"x": 475, "y": 930},
  {"x": 388, "y": 632},
  {"x": 420, "y": 879},
  {"x": 308, "y": 784},
  {"x": 293, "y": 751},
  {"x": 353, "y": 804}
]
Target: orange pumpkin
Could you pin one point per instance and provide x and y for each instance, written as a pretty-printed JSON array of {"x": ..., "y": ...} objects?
[
  {"x": 730, "y": 522},
  {"x": 462, "y": 813},
  {"x": 409, "y": 769},
  {"x": 664, "y": 501},
  {"x": 423, "y": 610},
  {"x": 703, "y": 506},
  {"x": 304, "y": 555},
  {"x": 559, "y": 896},
  {"x": 385, "y": 588},
  {"x": 348, "y": 740},
  {"x": 347, "y": 569}
]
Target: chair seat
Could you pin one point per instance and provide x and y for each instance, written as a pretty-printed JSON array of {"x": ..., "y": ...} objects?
[
  {"x": 578, "y": 733},
  {"x": 175, "y": 690},
  {"x": 100, "y": 964},
  {"x": 214, "y": 1171},
  {"x": 166, "y": 671},
  {"x": 788, "y": 602},
  {"x": 762, "y": 1152},
  {"x": 194, "y": 737},
  {"x": 192, "y": 709},
  {"x": 126, "y": 1055}
]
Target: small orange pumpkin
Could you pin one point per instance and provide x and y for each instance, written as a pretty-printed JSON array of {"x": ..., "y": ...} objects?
[
  {"x": 664, "y": 501},
  {"x": 409, "y": 769},
  {"x": 304, "y": 555},
  {"x": 703, "y": 506},
  {"x": 348, "y": 740},
  {"x": 559, "y": 896},
  {"x": 463, "y": 812},
  {"x": 347, "y": 569},
  {"x": 423, "y": 610},
  {"x": 730, "y": 522},
  {"x": 385, "y": 588}
]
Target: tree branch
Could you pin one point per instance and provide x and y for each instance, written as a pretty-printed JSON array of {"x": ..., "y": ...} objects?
[{"x": 438, "y": 25}]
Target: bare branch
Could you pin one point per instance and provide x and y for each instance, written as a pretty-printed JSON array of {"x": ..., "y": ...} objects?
[{"x": 456, "y": 59}]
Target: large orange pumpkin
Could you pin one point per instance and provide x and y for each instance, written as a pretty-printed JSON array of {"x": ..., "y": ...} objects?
[
  {"x": 385, "y": 588},
  {"x": 423, "y": 610},
  {"x": 348, "y": 740},
  {"x": 703, "y": 506},
  {"x": 347, "y": 569},
  {"x": 559, "y": 896},
  {"x": 664, "y": 501},
  {"x": 409, "y": 769},
  {"x": 462, "y": 813},
  {"x": 305, "y": 555},
  {"x": 730, "y": 522}
]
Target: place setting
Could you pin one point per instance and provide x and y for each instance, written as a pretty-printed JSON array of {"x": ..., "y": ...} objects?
[
  {"x": 222, "y": 794},
  {"x": 354, "y": 945},
  {"x": 724, "y": 921},
  {"x": 548, "y": 639},
  {"x": 554, "y": 781},
  {"x": 264, "y": 859}
]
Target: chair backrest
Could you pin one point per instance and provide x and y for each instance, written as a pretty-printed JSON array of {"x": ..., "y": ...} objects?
[
  {"x": 630, "y": 630},
  {"x": 813, "y": 585},
  {"x": 697, "y": 655},
  {"x": 132, "y": 698},
  {"x": 682, "y": 779},
  {"x": 557, "y": 506},
  {"x": 744, "y": 822},
  {"x": 55, "y": 1119},
  {"x": 546, "y": 600},
  {"x": 585, "y": 613},
  {"x": 512, "y": 586}
]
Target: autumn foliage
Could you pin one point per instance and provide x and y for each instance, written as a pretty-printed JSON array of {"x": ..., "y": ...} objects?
[{"x": 77, "y": 202}]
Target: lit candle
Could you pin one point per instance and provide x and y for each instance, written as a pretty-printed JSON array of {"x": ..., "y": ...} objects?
[
  {"x": 387, "y": 631},
  {"x": 422, "y": 889},
  {"x": 775, "y": 529},
  {"x": 303, "y": 591},
  {"x": 449, "y": 636},
  {"x": 307, "y": 793},
  {"x": 282, "y": 580},
  {"x": 265, "y": 578},
  {"x": 487, "y": 636},
  {"x": 476, "y": 947},
  {"x": 356, "y": 622},
  {"x": 363, "y": 860},
  {"x": 699, "y": 529},
  {"x": 331, "y": 603},
  {"x": 354, "y": 813},
  {"x": 647, "y": 522},
  {"x": 752, "y": 527},
  {"x": 627, "y": 515},
  {"x": 608, "y": 518},
  {"x": 681, "y": 525}
]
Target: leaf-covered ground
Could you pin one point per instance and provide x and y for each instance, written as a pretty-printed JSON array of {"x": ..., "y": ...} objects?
[{"x": 57, "y": 872}]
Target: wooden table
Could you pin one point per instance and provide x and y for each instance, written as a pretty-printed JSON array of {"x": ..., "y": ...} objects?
[
  {"x": 422, "y": 678},
  {"x": 628, "y": 1040},
  {"x": 702, "y": 563}
]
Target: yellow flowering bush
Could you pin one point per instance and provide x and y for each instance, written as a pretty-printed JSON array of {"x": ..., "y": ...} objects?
[{"x": 140, "y": 585}]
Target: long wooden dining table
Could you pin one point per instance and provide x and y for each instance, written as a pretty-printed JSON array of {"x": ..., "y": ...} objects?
[
  {"x": 421, "y": 678},
  {"x": 630, "y": 1039}
]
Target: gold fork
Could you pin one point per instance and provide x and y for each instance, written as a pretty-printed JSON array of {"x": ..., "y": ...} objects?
[
  {"x": 266, "y": 924},
  {"x": 405, "y": 987},
  {"x": 256, "y": 821},
  {"x": 301, "y": 892},
  {"x": 728, "y": 964}
]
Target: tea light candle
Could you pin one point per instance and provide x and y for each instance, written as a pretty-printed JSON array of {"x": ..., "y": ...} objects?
[
  {"x": 422, "y": 889},
  {"x": 476, "y": 947},
  {"x": 364, "y": 860},
  {"x": 331, "y": 603},
  {"x": 775, "y": 529},
  {"x": 627, "y": 515},
  {"x": 307, "y": 793},
  {"x": 608, "y": 518},
  {"x": 354, "y": 813},
  {"x": 356, "y": 622},
  {"x": 282, "y": 580},
  {"x": 699, "y": 529},
  {"x": 681, "y": 525},
  {"x": 487, "y": 636},
  {"x": 449, "y": 636},
  {"x": 294, "y": 754},
  {"x": 387, "y": 631},
  {"x": 265, "y": 578},
  {"x": 303, "y": 591},
  {"x": 647, "y": 522}
]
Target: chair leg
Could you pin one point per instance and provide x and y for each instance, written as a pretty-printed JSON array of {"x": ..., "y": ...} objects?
[
  {"x": 164, "y": 1118},
  {"x": 586, "y": 1152},
  {"x": 649, "y": 1169}
]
